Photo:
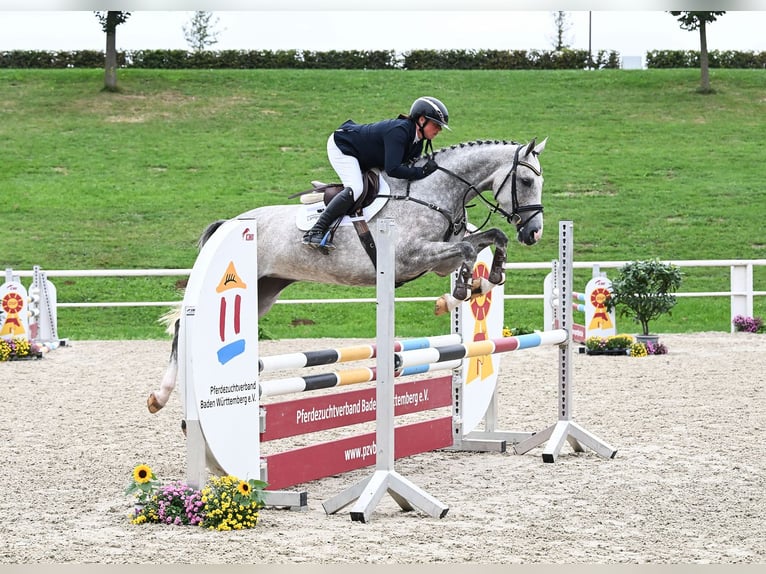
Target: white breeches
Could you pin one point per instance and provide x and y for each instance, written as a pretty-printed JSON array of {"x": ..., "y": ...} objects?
[{"x": 346, "y": 166}]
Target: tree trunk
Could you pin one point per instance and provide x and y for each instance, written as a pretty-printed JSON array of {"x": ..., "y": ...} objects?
[
  {"x": 704, "y": 68},
  {"x": 110, "y": 67}
]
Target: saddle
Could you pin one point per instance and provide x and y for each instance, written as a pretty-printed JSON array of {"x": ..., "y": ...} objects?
[{"x": 326, "y": 191}]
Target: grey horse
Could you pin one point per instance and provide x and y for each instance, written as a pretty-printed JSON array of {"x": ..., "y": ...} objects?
[{"x": 432, "y": 231}]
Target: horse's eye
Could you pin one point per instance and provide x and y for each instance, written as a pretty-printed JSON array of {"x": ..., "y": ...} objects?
[{"x": 526, "y": 181}]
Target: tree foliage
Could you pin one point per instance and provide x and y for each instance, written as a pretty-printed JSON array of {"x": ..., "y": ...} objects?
[
  {"x": 692, "y": 21},
  {"x": 200, "y": 33},
  {"x": 561, "y": 21},
  {"x": 643, "y": 290},
  {"x": 110, "y": 20}
]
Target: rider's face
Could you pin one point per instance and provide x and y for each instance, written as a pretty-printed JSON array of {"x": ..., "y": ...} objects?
[{"x": 429, "y": 129}]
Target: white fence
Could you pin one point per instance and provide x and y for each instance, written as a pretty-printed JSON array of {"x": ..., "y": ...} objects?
[{"x": 741, "y": 292}]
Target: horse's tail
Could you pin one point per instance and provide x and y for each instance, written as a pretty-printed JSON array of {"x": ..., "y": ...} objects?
[
  {"x": 169, "y": 320},
  {"x": 209, "y": 230}
]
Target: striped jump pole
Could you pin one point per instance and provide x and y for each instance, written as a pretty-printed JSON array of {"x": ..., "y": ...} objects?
[
  {"x": 347, "y": 354},
  {"x": 578, "y": 302},
  {"x": 290, "y": 385},
  {"x": 479, "y": 348},
  {"x": 565, "y": 429}
]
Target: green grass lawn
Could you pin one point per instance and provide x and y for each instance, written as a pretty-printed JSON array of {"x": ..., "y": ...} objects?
[{"x": 644, "y": 166}]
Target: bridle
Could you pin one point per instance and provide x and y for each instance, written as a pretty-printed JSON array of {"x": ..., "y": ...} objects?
[{"x": 517, "y": 215}]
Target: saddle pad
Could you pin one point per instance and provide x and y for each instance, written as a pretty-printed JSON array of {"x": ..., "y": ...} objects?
[{"x": 309, "y": 213}]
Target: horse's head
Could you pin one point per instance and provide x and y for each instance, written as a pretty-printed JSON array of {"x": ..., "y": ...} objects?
[{"x": 518, "y": 191}]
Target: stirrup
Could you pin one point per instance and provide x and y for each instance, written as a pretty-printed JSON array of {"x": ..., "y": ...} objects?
[{"x": 318, "y": 240}]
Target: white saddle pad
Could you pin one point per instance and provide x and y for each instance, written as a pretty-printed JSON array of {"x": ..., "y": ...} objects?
[{"x": 310, "y": 212}]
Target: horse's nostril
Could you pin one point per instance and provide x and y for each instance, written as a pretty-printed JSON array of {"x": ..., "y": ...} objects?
[{"x": 532, "y": 237}]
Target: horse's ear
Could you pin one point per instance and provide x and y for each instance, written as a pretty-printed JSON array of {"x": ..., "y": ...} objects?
[
  {"x": 530, "y": 147},
  {"x": 540, "y": 147}
]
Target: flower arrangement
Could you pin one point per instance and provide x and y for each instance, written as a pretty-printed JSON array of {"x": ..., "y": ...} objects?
[
  {"x": 614, "y": 343},
  {"x": 19, "y": 348},
  {"x": 622, "y": 345},
  {"x": 225, "y": 503},
  {"x": 748, "y": 324},
  {"x": 231, "y": 504},
  {"x": 638, "y": 350},
  {"x": 143, "y": 484},
  {"x": 656, "y": 348}
]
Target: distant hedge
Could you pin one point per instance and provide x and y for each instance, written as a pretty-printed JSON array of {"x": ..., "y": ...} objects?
[
  {"x": 374, "y": 59},
  {"x": 306, "y": 59},
  {"x": 716, "y": 59}
]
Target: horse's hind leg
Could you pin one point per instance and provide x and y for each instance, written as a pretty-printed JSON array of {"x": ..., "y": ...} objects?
[{"x": 159, "y": 398}]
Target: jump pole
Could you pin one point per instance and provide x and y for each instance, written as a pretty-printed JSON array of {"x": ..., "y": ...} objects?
[
  {"x": 370, "y": 491},
  {"x": 565, "y": 428}
]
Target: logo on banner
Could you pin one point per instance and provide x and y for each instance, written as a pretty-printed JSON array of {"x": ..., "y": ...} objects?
[
  {"x": 601, "y": 319},
  {"x": 480, "y": 367},
  {"x": 12, "y": 304},
  {"x": 230, "y": 314}
]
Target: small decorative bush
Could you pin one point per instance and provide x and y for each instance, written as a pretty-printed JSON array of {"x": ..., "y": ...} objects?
[
  {"x": 748, "y": 324},
  {"x": 643, "y": 291}
]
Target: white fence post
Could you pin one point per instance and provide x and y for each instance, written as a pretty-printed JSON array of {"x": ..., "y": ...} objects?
[{"x": 741, "y": 291}]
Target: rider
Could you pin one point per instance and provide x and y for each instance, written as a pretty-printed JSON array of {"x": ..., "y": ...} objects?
[{"x": 390, "y": 145}]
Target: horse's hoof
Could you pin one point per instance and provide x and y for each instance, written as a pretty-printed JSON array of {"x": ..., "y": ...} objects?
[
  {"x": 497, "y": 278},
  {"x": 153, "y": 404},
  {"x": 461, "y": 292},
  {"x": 440, "y": 308}
]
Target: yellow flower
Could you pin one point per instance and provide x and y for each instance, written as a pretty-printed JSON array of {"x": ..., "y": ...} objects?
[
  {"x": 638, "y": 350},
  {"x": 243, "y": 488},
  {"x": 142, "y": 474}
]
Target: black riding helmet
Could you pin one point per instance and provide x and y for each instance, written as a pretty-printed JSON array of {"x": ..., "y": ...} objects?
[{"x": 432, "y": 109}]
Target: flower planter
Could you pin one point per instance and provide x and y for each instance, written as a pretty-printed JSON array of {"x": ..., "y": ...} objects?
[
  {"x": 653, "y": 339},
  {"x": 623, "y": 352}
]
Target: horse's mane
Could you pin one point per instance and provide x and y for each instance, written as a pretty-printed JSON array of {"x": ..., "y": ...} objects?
[{"x": 475, "y": 143}]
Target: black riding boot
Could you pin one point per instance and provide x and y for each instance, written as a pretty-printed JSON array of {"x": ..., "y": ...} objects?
[{"x": 338, "y": 207}]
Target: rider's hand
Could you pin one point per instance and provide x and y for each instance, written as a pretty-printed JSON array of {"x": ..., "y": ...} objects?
[{"x": 430, "y": 167}]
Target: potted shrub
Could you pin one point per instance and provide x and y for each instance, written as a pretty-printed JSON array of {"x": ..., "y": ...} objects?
[{"x": 643, "y": 290}]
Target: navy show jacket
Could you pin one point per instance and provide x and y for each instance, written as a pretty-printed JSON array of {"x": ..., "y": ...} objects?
[{"x": 388, "y": 144}]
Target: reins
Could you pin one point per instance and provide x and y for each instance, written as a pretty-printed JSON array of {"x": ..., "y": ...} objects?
[{"x": 457, "y": 226}]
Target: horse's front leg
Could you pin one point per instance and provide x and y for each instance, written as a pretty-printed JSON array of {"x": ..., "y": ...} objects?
[
  {"x": 499, "y": 240},
  {"x": 462, "y": 291}
]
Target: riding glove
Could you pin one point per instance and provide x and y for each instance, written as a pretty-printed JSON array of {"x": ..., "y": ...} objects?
[{"x": 430, "y": 167}]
